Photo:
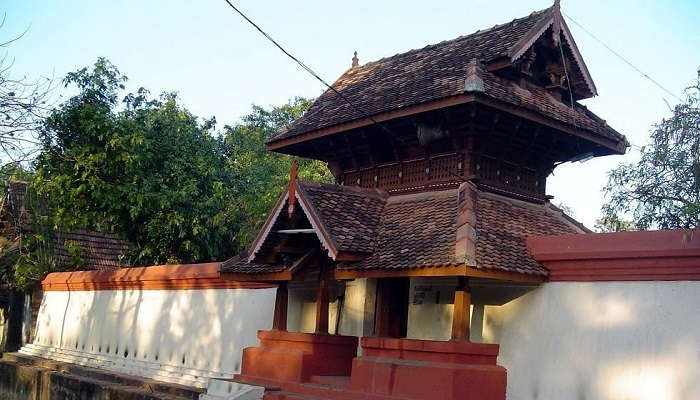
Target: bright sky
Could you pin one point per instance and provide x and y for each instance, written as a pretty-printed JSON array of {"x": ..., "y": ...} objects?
[{"x": 220, "y": 65}]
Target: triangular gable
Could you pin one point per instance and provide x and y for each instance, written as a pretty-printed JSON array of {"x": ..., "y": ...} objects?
[
  {"x": 319, "y": 228},
  {"x": 555, "y": 20}
]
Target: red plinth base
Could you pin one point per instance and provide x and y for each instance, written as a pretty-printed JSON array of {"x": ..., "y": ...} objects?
[
  {"x": 421, "y": 369},
  {"x": 295, "y": 357}
]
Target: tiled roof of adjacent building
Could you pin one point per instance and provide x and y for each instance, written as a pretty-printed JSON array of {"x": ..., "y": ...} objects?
[
  {"x": 419, "y": 230},
  {"x": 95, "y": 249},
  {"x": 437, "y": 72}
]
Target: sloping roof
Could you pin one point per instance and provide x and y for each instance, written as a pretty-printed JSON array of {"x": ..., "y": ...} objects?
[
  {"x": 419, "y": 230},
  {"x": 349, "y": 214},
  {"x": 439, "y": 71},
  {"x": 96, "y": 250},
  {"x": 502, "y": 226},
  {"x": 240, "y": 265}
]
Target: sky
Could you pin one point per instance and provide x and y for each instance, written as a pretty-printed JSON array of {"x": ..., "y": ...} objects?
[{"x": 220, "y": 65}]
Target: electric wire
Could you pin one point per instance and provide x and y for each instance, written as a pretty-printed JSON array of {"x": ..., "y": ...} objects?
[
  {"x": 309, "y": 70},
  {"x": 618, "y": 55}
]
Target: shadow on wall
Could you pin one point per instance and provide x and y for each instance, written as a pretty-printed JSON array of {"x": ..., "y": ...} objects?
[
  {"x": 604, "y": 340},
  {"x": 202, "y": 331}
]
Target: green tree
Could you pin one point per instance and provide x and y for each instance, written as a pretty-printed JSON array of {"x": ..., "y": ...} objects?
[
  {"x": 147, "y": 170},
  {"x": 662, "y": 190},
  {"x": 261, "y": 176},
  {"x": 152, "y": 172},
  {"x": 613, "y": 224}
]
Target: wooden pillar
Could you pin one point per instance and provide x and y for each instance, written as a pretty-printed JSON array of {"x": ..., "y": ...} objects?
[
  {"x": 381, "y": 313},
  {"x": 460, "y": 318},
  {"x": 322, "y": 301},
  {"x": 279, "y": 320}
]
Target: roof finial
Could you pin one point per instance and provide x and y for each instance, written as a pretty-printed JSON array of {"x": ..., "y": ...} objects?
[
  {"x": 291, "y": 197},
  {"x": 556, "y": 23},
  {"x": 355, "y": 61}
]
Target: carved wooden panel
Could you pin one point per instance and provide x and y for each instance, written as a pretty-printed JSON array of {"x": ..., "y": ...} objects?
[
  {"x": 368, "y": 178},
  {"x": 415, "y": 172},
  {"x": 390, "y": 176}
]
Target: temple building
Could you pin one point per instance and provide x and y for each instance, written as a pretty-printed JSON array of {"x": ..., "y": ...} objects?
[
  {"x": 434, "y": 267},
  {"x": 440, "y": 157}
]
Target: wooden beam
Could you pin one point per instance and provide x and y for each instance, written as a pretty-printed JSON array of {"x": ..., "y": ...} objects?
[
  {"x": 460, "y": 316},
  {"x": 322, "y": 301},
  {"x": 281, "y": 248},
  {"x": 460, "y": 270},
  {"x": 303, "y": 260},
  {"x": 279, "y": 319}
]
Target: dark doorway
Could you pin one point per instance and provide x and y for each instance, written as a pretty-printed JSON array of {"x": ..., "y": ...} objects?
[{"x": 391, "y": 314}]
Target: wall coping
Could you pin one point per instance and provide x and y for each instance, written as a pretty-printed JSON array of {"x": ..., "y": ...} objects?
[
  {"x": 430, "y": 346},
  {"x": 624, "y": 256},
  {"x": 159, "y": 277}
]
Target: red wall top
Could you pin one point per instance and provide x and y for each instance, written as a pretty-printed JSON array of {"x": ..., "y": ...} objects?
[
  {"x": 624, "y": 256},
  {"x": 175, "y": 277}
]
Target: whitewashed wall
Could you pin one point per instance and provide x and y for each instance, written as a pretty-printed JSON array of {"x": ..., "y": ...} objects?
[
  {"x": 600, "y": 341},
  {"x": 355, "y": 316},
  {"x": 183, "y": 336}
]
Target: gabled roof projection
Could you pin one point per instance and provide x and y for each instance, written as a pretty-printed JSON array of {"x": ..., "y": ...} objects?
[
  {"x": 366, "y": 229},
  {"x": 438, "y": 75}
]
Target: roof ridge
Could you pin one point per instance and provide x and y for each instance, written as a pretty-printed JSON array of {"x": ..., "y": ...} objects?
[
  {"x": 443, "y": 42},
  {"x": 375, "y": 192},
  {"x": 558, "y": 212}
]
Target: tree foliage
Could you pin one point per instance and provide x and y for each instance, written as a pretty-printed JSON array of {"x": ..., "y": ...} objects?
[
  {"x": 613, "y": 224},
  {"x": 662, "y": 190},
  {"x": 263, "y": 175},
  {"x": 155, "y": 174}
]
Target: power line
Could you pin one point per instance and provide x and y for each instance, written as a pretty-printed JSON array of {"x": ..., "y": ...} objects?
[
  {"x": 307, "y": 68},
  {"x": 621, "y": 57}
]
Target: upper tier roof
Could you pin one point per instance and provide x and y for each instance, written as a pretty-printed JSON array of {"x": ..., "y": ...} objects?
[{"x": 438, "y": 72}]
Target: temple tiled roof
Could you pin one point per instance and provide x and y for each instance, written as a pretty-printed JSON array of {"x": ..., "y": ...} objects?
[
  {"x": 240, "y": 265},
  {"x": 349, "y": 214},
  {"x": 502, "y": 224},
  {"x": 97, "y": 250},
  {"x": 437, "y": 72},
  {"x": 416, "y": 230},
  {"x": 419, "y": 230}
]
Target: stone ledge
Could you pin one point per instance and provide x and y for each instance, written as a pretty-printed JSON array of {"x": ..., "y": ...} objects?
[{"x": 23, "y": 377}]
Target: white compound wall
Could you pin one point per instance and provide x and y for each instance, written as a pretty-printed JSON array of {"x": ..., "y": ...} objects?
[
  {"x": 600, "y": 341},
  {"x": 182, "y": 336}
]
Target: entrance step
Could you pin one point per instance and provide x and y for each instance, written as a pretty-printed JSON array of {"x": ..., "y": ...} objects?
[
  {"x": 337, "y": 382},
  {"x": 289, "y": 396}
]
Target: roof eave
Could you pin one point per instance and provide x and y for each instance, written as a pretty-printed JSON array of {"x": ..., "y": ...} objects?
[
  {"x": 455, "y": 270},
  {"x": 616, "y": 147}
]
